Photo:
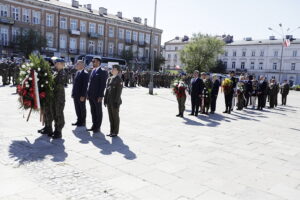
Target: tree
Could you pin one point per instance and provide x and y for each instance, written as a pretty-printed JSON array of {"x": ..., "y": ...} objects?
[
  {"x": 201, "y": 53},
  {"x": 127, "y": 55},
  {"x": 220, "y": 67},
  {"x": 158, "y": 61},
  {"x": 30, "y": 41}
]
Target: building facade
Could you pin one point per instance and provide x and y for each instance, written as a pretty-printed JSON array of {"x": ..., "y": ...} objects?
[
  {"x": 72, "y": 29},
  {"x": 171, "y": 52},
  {"x": 263, "y": 57}
]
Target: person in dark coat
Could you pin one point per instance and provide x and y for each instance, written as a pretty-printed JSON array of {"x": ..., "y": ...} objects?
[
  {"x": 233, "y": 92},
  {"x": 95, "y": 93},
  {"x": 214, "y": 93},
  {"x": 197, "y": 86},
  {"x": 261, "y": 92},
  {"x": 272, "y": 93},
  {"x": 248, "y": 90},
  {"x": 79, "y": 90},
  {"x": 285, "y": 88}
]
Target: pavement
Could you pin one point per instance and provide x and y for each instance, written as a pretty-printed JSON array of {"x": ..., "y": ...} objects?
[{"x": 248, "y": 155}]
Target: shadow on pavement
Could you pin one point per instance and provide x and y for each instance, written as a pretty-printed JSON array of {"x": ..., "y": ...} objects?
[
  {"x": 107, "y": 148},
  {"x": 25, "y": 151}
]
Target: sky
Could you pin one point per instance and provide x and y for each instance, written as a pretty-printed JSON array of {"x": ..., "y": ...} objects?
[{"x": 240, "y": 18}]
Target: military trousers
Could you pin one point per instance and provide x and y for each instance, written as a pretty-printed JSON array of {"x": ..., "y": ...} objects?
[
  {"x": 181, "y": 104},
  {"x": 114, "y": 118},
  {"x": 58, "y": 114}
]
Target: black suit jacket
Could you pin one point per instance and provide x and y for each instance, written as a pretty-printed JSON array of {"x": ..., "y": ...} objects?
[
  {"x": 197, "y": 87},
  {"x": 80, "y": 84},
  {"x": 262, "y": 88},
  {"x": 215, "y": 88},
  {"x": 97, "y": 84}
]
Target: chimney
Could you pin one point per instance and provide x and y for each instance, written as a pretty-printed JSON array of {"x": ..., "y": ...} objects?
[
  {"x": 137, "y": 20},
  {"x": 146, "y": 21},
  {"x": 75, "y": 4},
  {"x": 102, "y": 11},
  {"x": 248, "y": 39},
  {"x": 89, "y": 7},
  {"x": 119, "y": 14}
]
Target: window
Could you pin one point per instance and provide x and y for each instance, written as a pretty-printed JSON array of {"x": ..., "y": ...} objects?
[
  {"x": 82, "y": 26},
  {"x": 141, "y": 53},
  {"x": 242, "y": 65},
  {"x": 63, "y": 23},
  {"x": 73, "y": 24},
  {"x": 36, "y": 17},
  {"x": 156, "y": 40},
  {"x": 82, "y": 44},
  {"x": 274, "y": 66},
  {"x": 134, "y": 36},
  {"x": 147, "y": 52},
  {"x": 226, "y": 53},
  {"x": 92, "y": 28},
  {"x": 4, "y": 36},
  {"x": 111, "y": 32},
  {"x": 63, "y": 42},
  {"x": 260, "y": 66},
  {"x": 16, "y": 13},
  {"x": 176, "y": 48},
  {"x": 73, "y": 43},
  {"x": 233, "y": 65},
  {"x": 100, "y": 47},
  {"x": 147, "y": 39},
  {"x": 244, "y": 53},
  {"x": 225, "y": 64},
  {"x": 26, "y": 15},
  {"x": 234, "y": 54},
  {"x": 262, "y": 53},
  {"x": 15, "y": 34},
  {"x": 50, "y": 39},
  {"x": 175, "y": 57},
  {"x": 295, "y": 53},
  {"x": 128, "y": 35},
  {"x": 275, "y": 53},
  {"x": 121, "y": 33},
  {"x": 120, "y": 48},
  {"x": 49, "y": 20},
  {"x": 253, "y": 54},
  {"x": 134, "y": 50},
  {"x": 169, "y": 56},
  {"x": 111, "y": 49},
  {"x": 101, "y": 29},
  {"x": 3, "y": 10},
  {"x": 141, "y": 38},
  {"x": 252, "y": 65},
  {"x": 293, "y": 66},
  {"x": 91, "y": 46}
]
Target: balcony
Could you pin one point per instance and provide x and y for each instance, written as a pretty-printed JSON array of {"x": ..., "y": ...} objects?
[
  {"x": 74, "y": 32},
  {"x": 128, "y": 42},
  {"x": 142, "y": 44},
  {"x": 73, "y": 51},
  {"x": 50, "y": 49},
  {"x": 7, "y": 20},
  {"x": 94, "y": 35}
]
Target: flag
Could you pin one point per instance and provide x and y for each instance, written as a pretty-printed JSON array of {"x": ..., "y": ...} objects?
[{"x": 286, "y": 43}]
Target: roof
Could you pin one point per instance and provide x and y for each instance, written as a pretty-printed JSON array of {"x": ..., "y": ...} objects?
[
  {"x": 177, "y": 40},
  {"x": 93, "y": 12},
  {"x": 260, "y": 42}
]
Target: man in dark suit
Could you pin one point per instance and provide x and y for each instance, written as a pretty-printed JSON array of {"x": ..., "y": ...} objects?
[
  {"x": 95, "y": 92},
  {"x": 197, "y": 86},
  {"x": 79, "y": 90},
  {"x": 261, "y": 92},
  {"x": 285, "y": 89},
  {"x": 214, "y": 93}
]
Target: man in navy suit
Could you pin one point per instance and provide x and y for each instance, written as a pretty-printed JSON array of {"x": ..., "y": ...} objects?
[
  {"x": 95, "y": 93},
  {"x": 197, "y": 86},
  {"x": 79, "y": 90}
]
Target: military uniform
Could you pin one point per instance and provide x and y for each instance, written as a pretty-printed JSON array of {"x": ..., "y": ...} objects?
[
  {"x": 113, "y": 101},
  {"x": 285, "y": 88}
]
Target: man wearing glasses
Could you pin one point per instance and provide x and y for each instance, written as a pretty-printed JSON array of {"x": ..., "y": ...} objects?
[{"x": 95, "y": 93}]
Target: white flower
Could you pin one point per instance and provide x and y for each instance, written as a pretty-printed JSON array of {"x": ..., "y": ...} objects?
[
  {"x": 46, "y": 74},
  {"x": 31, "y": 64},
  {"x": 20, "y": 79},
  {"x": 23, "y": 66},
  {"x": 46, "y": 82},
  {"x": 28, "y": 71},
  {"x": 42, "y": 85},
  {"x": 30, "y": 79},
  {"x": 39, "y": 69},
  {"x": 27, "y": 64}
]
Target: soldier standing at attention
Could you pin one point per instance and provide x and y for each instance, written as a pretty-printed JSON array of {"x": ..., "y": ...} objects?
[
  {"x": 285, "y": 88},
  {"x": 214, "y": 93},
  {"x": 112, "y": 100},
  {"x": 59, "y": 98}
]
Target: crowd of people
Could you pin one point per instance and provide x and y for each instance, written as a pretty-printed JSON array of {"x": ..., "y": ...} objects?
[{"x": 242, "y": 91}]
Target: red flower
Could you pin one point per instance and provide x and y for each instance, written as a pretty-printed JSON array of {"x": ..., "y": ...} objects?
[
  {"x": 42, "y": 95},
  {"x": 32, "y": 94},
  {"x": 27, "y": 103},
  {"x": 24, "y": 93},
  {"x": 19, "y": 89}
]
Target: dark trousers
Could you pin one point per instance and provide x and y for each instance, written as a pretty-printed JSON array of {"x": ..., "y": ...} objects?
[
  {"x": 195, "y": 104},
  {"x": 276, "y": 97},
  {"x": 265, "y": 100},
  {"x": 80, "y": 110},
  {"x": 283, "y": 99},
  {"x": 261, "y": 101},
  {"x": 213, "y": 103},
  {"x": 272, "y": 101},
  {"x": 96, "y": 111},
  {"x": 247, "y": 97},
  {"x": 114, "y": 119},
  {"x": 228, "y": 101}
]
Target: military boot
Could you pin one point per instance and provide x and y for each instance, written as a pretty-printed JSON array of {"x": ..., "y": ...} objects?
[
  {"x": 41, "y": 131},
  {"x": 57, "y": 135},
  {"x": 48, "y": 131}
]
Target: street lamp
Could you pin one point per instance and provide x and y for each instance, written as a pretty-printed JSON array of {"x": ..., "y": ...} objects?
[
  {"x": 152, "y": 51},
  {"x": 283, "y": 38}
]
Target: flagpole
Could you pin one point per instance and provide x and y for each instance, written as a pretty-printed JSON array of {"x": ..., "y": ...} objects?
[{"x": 151, "y": 85}]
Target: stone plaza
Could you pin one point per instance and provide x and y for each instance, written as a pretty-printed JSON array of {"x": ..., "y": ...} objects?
[{"x": 248, "y": 155}]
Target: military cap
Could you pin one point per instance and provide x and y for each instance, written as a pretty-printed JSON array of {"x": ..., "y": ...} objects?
[
  {"x": 203, "y": 73},
  {"x": 59, "y": 60},
  {"x": 97, "y": 57}
]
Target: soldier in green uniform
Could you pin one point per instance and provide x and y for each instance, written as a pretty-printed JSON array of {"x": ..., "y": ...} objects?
[{"x": 112, "y": 100}]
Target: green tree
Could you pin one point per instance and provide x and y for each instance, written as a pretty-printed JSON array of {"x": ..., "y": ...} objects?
[
  {"x": 201, "y": 53},
  {"x": 158, "y": 61},
  {"x": 30, "y": 41},
  {"x": 218, "y": 68},
  {"x": 127, "y": 55}
]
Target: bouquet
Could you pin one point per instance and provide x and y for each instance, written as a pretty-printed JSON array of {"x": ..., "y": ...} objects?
[
  {"x": 240, "y": 87},
  {"x": 36, "y": 82},
  {"x": 227, "y": 85},
  {"x": 179, "y": 88}
]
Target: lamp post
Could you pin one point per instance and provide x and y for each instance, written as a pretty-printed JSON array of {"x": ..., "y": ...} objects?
[
  {"x": 152, "y": 51},
  {"x": 282, "y": 34}
]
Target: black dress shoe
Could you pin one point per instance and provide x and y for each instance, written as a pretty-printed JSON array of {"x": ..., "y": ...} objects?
[
  {"x": 112, "y": 135},
  {"x": 191, "y": 114},
  {"x": 41, "y": 130},
  {"x": 96, "y": 131},
  {"x": 75, "y": 124},
  {"x": 90, "y": 129},
  {"x": 178, "y": 115},
  {"x": 57, "y": 135}
]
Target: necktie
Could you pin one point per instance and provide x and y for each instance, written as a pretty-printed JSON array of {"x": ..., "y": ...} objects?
[{"x": 94, "y": 73}]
